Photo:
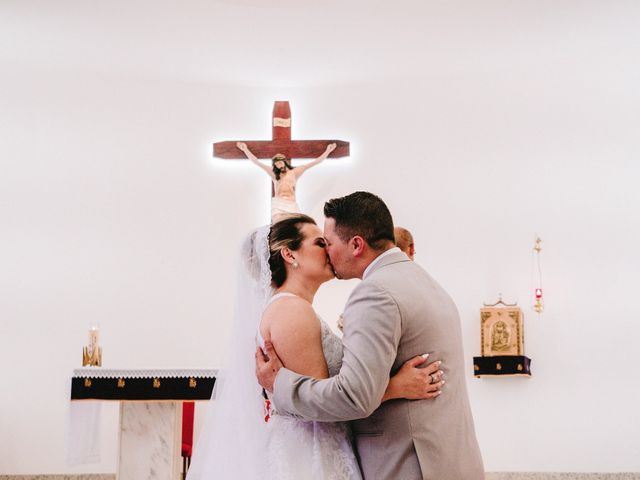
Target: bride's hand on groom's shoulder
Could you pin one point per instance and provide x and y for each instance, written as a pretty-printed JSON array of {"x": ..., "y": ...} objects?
[
  {"x": 267, "y": 366},
  {"x": 414, "y": 383}
]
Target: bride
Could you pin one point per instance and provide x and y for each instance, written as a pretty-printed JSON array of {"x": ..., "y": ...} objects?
[{"x": 244, "y": 436}]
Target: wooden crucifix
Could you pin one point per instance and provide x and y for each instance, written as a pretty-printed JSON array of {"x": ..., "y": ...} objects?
[{"x": 281, "y": 149}]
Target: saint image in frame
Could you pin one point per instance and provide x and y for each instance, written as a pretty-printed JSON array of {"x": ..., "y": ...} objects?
[{"x": 501, "y": 331}]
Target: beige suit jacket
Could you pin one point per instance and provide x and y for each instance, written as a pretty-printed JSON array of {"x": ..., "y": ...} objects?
[{"x": 397, "y": 312}]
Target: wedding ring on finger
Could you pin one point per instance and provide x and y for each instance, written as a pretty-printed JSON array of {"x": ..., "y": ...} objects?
[{"x": 433, "y": 379}]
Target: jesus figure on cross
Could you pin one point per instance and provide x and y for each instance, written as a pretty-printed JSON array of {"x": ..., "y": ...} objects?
[{"x": 284, "y": 178}]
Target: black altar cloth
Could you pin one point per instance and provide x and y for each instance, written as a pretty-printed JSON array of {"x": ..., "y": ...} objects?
[{"x": 95, "y": 383}]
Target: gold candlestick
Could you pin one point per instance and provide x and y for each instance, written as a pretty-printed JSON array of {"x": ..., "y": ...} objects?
[{"x": 92, "y": 353}]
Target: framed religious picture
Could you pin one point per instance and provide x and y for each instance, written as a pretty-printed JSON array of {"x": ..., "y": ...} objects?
[{"x": 501, "y": 331}]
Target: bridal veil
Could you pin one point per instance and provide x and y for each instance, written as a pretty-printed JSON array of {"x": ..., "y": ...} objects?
[{"x": 233, "y": 442}]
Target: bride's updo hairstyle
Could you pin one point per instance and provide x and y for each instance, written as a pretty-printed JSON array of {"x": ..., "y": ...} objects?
[{"x": 285, "y": 234}]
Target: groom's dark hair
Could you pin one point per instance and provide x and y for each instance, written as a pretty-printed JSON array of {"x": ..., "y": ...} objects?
[{"x": 363, "y": 214}]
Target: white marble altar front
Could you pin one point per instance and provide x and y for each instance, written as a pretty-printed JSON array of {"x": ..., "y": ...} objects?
[{"x": 150, "y": 440}]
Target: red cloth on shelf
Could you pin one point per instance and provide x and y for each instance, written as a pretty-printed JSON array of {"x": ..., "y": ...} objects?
[{"x": 187, "y": 428}]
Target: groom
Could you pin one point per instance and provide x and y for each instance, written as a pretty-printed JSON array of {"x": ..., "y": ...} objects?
[{"x": 397, "y": 312}]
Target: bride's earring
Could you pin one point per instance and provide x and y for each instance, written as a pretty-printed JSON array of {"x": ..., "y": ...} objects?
[{"x": 295, "y": 264}]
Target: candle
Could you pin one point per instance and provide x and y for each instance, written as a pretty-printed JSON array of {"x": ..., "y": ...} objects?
[
  {"x": 92, "y": 354},
  {"x": 94, "y": 335}
]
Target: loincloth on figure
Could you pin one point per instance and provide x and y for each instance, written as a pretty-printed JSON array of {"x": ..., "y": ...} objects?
[{"x": 281, "y": 207}]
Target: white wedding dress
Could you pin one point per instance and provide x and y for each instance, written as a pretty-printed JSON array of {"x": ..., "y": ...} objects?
[
  {"x": 301, "y": 449},
  {"x": 236, "y": 442}
]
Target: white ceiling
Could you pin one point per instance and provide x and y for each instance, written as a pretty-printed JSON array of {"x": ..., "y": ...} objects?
[{"x": 304, "y": 42}]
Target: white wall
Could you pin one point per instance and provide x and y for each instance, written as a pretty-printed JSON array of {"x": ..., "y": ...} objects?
[{"x": 479, "y": 127}]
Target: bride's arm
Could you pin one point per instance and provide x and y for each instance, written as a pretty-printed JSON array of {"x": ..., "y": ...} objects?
[
  {"x": 294, "y": 329},
  {"x": 414, "y": 383}
]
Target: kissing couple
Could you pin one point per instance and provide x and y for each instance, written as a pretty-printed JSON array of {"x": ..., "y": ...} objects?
[{"x": 364, "y": 406}]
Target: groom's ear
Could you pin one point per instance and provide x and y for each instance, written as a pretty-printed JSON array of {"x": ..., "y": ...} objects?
[{"x": 358, "y": 245}]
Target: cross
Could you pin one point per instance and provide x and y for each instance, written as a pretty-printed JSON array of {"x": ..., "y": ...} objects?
[{"x": 281, "y": 141}]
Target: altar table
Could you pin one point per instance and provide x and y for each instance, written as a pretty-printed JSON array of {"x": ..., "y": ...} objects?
[{"x": 150, "y": 413}]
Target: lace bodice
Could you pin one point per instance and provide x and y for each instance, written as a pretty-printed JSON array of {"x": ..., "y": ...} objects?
[
  {"x": 331, "y": 347},
  {"x": 306, "y": 449}
]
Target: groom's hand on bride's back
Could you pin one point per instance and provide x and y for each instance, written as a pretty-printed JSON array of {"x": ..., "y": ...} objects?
[{"x": 267, "y": 366}]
